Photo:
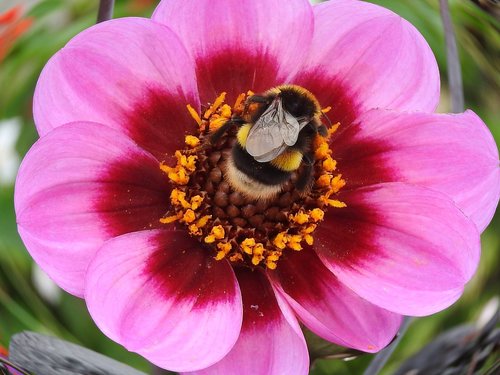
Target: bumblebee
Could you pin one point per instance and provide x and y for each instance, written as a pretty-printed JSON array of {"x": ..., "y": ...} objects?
[{"x": 274, "y": 139}]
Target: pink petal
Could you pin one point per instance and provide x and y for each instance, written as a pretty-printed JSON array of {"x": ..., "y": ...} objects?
[
  {"x": 80, "y": 185},
  {"x": 160, "y": 294},
  {"x": 454, "y": 154},
  {"x": 364, "y": 56},
  {"x": 404, "y": 248},
  {"x": 131, "y": 74},
  {"x": 240, "y": 45},
  {"x": 270, "y": 341},
  {"x": 330, "y": 309}
]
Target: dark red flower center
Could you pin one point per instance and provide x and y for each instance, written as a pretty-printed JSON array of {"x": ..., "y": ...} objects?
[{"x": 228, "y": 221}]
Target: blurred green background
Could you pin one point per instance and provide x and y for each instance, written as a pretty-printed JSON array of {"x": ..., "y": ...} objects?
[{"x": 29, "y": 302}]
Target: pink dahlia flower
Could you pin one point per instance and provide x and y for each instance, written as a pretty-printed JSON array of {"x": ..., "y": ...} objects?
[{"x": 173, "y": 262}]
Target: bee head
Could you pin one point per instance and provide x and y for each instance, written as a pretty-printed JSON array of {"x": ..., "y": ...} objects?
[{"x": 298, "y": 101}]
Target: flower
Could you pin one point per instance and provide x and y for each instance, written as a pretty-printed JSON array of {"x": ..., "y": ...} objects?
[
  {"x": 12, "y": 26},
  {"x": 117, "y": 199}
]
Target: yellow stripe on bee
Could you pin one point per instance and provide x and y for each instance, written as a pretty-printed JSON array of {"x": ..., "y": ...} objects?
[
  {"x": 242, "y": 134},
  {"x": 288, "y": 161}
]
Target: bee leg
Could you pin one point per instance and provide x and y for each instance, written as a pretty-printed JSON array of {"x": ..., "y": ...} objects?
[
  {"x": 217, "y": 134},
  {"x": 258, "y": 99},
  {"x": 255, "y": 99},
  {"x": 322, "y": 130},
  {"x": 303, "y": 183}
]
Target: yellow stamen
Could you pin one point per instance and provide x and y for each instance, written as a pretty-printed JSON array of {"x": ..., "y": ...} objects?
[
  {"x": 180, "y": 178},
  {"x": 324, "y": 180},
  {"x": 258, "y": 252},
  {"x": 217, "y": 103},
  {"x": 309, "y": 239},
  {"x": 271, "y": 265},
  {"x": 280, "y": 240},
  {"x": 188, "y": 162},
  {"x": 176, "y": 195},
  {"x": 333, "y": 129},
  {"x": 317, "y": 214},
  {"x": 196, "y": 202},
  {"x": 191, "y": 163},
  {"x": 226, "y": 111},
  {"x": 337, "y": 183},
  {"x": 192, "y": 141},
  {"x": 256, "y": 259},
  {"x": 336, "y": 203},
  {"x": 189, "y": 216},
  {"x": 239, "y": 102},
  {"x": 217, "y": 123},
  {"x": 177, "y": 175},
  {"x": 165, "y": 168},
  {"x": 299, "y": 218},
  {"x": 326, "y": 109},
  {"x": 170, "y": 219},
  {"x": 224, "y": 249},
  {"x": 273, "y": 257},
  {"x": 217, "y": 233},
  {"x": 258, "y": 249},
  {"x": 310, "y": 228},
  {"x": 247, "y": 245},
  {"x": 209, "y": 239},
  {"x": 203, "y": 221},
  {"x": 178, "y": 198},
  {"x": 329, "y": 164},
  {"x": 236, "y": 257},
  {"x": 194, "y": 230},
  {"x": 194, "y": 114},
  {"x": 322, "y": 151},
  {"x": 294, "y": 242}
]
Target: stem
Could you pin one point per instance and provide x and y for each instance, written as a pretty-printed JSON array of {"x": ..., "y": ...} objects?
[
  {"x": 159, "y": 371},
  {"x": 105, "y": 10},
  {"x": 10, "y": 364},
  {"x": 454, "y": 71},
  {"x": 383, "y": 356}
]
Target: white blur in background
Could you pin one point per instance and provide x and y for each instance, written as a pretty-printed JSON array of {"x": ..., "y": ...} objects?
[
  {"x": 44, "y": 285},
  {"x": 9, "y": 158}
]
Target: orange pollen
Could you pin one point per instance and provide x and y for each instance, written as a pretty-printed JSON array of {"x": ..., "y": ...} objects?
[{"x": 231, "y": 226}]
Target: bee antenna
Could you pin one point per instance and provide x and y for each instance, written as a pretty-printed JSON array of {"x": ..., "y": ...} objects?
[{"x": 327, "y": 119}]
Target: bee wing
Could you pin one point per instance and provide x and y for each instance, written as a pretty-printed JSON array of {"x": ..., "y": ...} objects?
[
  {"x": 265, "y": 136},
  {"x": 303, "y": 121},
  {"x": 289, "y": 128},
  {"x": 272, "y": 132},
  {"x": 271, "y": 154}
]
